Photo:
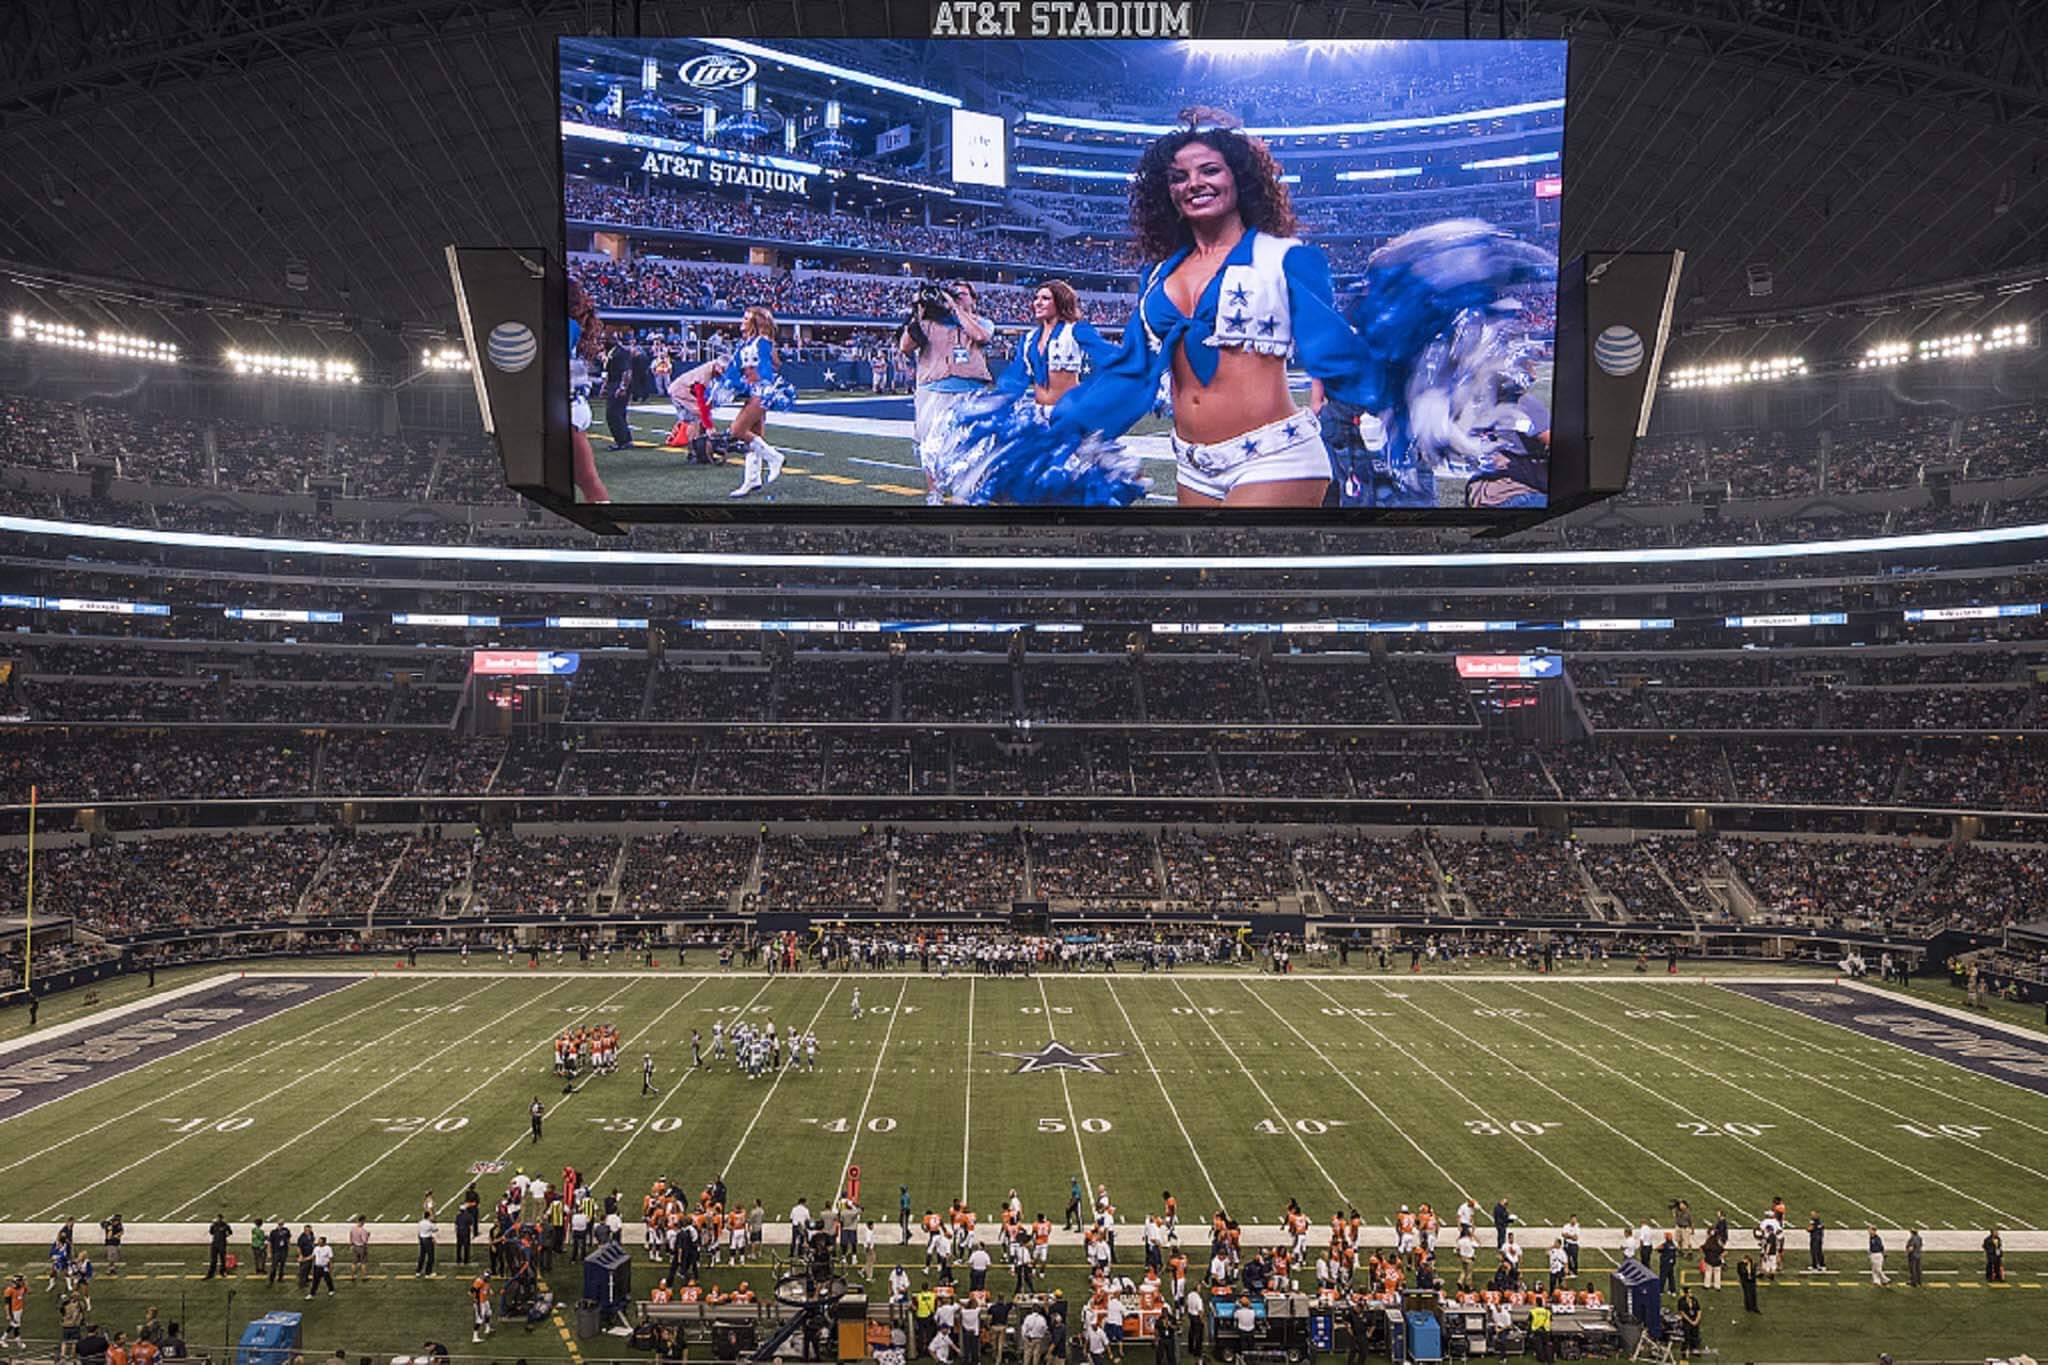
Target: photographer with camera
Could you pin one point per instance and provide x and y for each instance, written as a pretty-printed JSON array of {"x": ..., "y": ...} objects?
[{"x": 949, "y": 346}]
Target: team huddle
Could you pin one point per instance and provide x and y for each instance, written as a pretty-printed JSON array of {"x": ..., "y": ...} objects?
[
  {"x": 759, "y": 1051},
  {"x": 591, "y": 1046}
]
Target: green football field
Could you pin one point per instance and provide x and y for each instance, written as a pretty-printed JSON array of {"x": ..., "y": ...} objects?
[
  {"x": 827, "y": 467},
  {"x": 1602, "y": 1097}
]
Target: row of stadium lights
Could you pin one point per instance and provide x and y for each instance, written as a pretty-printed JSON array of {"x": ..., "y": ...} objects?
[
  {"x": 1958, "y": 346},
  {"x": 1729, "y": 373},
  {"x": 2001, "y": 338},
  {"x": 255, "y": 364},
  {"x": 103, "y": 342}
]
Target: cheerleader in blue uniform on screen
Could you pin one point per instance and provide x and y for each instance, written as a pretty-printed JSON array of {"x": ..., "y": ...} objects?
[
  {"x": 749, "y": 377},
  {"x": 1230, "y": 295},
  {"x": 1053, "y": 354}
]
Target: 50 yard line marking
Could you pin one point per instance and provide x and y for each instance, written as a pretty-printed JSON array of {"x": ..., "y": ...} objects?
[
  {"x": 1164, "y": 1094},
  {"x": 1285, "y": 1122},
  {"x": 1087, "y": 1182}
]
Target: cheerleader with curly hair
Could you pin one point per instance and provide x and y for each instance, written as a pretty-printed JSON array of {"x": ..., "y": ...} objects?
[{"x": 1230, "y": 296}]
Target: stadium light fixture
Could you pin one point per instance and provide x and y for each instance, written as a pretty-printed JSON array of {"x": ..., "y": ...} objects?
[
  {"x": 117, "y": 345},
  {"x": 1884, "y": 355},
  {"x": 1385, "y": 125},
  {"x": 311, "y": 369},
  {"x": 1730, "y": 373},
  {"x": 444, "y": 359},
  {"x": 1495, "y": 163}
]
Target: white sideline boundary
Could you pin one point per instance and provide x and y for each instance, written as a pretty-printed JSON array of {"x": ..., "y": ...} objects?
[{"x": 1125, "y": 978}]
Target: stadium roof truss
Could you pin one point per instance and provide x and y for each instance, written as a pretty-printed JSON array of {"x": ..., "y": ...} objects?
[{"x": 1846, "y": 145}]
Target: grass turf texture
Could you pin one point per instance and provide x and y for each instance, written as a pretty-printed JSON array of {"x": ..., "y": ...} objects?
[
  {"x": 1602, "y": 1096},
  {"x": 826, "y": 468}
]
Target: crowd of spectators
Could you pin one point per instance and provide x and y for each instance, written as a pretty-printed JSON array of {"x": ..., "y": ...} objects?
[
  {"x": 432, "y": 866},
  {"x": 691, "y": 287},
  {"x": 1096, "y": 691},
  {"x": 1983, "y": 888},
  {"x": 1205, "y": 690},
  {"x": 1346, "y": 691},
  {"x": 1102, "y": 866},
  {"x": 1300, "y": 772},
  {"x": 1929, "y": 708},
  {"x": 1226, "y": 869},
  {"x": 678, "y": 870},
  {"x": 355, "y": 872},
  {"x": 796, "y": 224},
  {"x": 868, "y": 767},
  {"x": 1368, "y": 874},
  {"x": 1843, "y": 884},
  {"x": 2013, "y": 776},
  {"x": 823, "y": 871},
  {"x": 130, "y": 886},
  {"x": 956, "y": 873},
  {"x": 1413, "y": 773},
  {"x": 1528, "y": 876},
  {"x": 1630, "y": 873},
  {"x": 552, "y": 874},
  {"x": 1832, "y": 771}
]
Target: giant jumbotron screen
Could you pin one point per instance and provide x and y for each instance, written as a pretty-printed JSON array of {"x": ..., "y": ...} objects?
[{"x": 1128, "y": 277}]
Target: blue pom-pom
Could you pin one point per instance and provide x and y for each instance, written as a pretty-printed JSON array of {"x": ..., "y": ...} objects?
[{"x": 998, "y": 451}]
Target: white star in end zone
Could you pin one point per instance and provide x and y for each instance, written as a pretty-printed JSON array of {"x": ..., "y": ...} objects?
[{"x": 1057, "y": 1056}]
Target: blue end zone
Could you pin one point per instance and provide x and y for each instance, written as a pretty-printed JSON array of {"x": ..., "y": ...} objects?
[{"x": 2012, "y": 1057}]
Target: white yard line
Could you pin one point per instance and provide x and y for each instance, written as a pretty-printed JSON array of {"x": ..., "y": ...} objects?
[
  {"x": 1477, "y": 1107},
  {"x": 157, "y": 1152},
  {"x": 128, "y": 1115},
  {"x": 775, "y": 1085},
  {"x": 463, "y": 1176},
  {"x": 1066, "y": 1091},
  {"x": 520, "y": 1057},
  {"x": 1861, "y": 1098},
  {"x": 967, "y": 1097},
  {"x": 1285, "y": 1122},
  {"x": 1194, "y": 1151},
  {"x": 1690, "y": 1114},
  {"x": 1945, "y": 1065},
  {"x": 1782, "y": 1108},
  {"x": 874, "y": 1076},
  {"x": 1456, "y": 1186},
  {"x": 597, "y": 1181},
  {"x": 371, "y": 1093},
  {"x": 1536, "y": 1078}
]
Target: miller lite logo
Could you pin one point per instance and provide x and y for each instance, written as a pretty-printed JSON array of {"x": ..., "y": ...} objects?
[{"x": 717, "y": 71}]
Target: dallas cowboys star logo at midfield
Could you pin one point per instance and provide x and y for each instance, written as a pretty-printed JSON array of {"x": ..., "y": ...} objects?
[{"x": 1057, "y": 1056}]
